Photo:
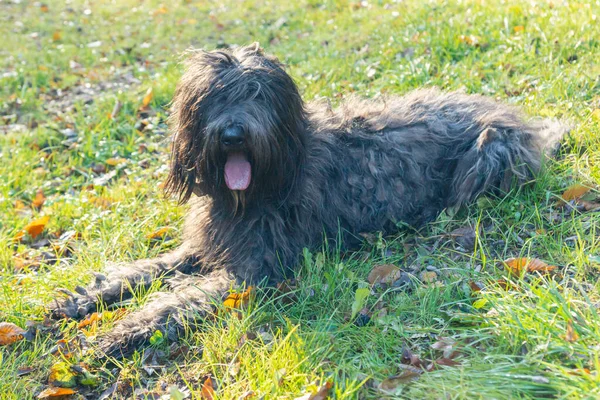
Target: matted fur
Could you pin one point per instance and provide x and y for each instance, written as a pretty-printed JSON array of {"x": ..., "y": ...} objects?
[{"x": 317, "y": 173}]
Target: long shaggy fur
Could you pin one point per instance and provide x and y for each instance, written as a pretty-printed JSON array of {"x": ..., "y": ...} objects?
[{"x": 317, "y": 173}]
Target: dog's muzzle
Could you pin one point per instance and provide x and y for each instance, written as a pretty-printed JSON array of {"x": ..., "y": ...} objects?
[{"x": 238, "y": 171}]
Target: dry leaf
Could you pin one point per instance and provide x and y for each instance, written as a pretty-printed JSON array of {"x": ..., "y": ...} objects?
[
  {"x": 517, "y": 265},
  {"x": 570, "y": 335},
  {"x": 208, "y": 391},
  {"x": 428, "y": 276},
  {"x": 56, "y": 36},
  {"x": 10, "y": 333},
  {"x": 474, "y": 286},
  {"x": 115, "y": 161},
  {"x": 158, "y": 234},
  {"x": 448, "y": 362},
  {"x": 321, "y": 394},
  {"x": 39, "y": 200},
  {"x": 35, "y": 227},
  {"x": 147, "y": 98},
  {"x": 384, "y": 273},
  {"x": 408, "y": 375},
  {"x": 238, "y": 300},
  {"x": 95, "y": 317},
  {"x": 55, "y": 392},
  {"x": 574, "y": 192},
  {"x": 19, "y": 205},
  {"x": 519, "y": 28},
  {"x": 159, "y": 11},
  {"x": 44, "y": 7}
]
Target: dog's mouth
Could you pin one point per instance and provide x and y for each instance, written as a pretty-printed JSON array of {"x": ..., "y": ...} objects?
[{"x": 238, "y": 171}]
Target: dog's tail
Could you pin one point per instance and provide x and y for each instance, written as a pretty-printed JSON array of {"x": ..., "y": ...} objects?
[{"x": 503, "y": 154}]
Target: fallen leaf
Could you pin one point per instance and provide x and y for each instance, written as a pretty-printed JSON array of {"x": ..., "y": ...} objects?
[
  {"x": 147, "y": 98},
  {"x": 570, "y": 336},
  {"x": 158, "y": 234},
  {"x": 238, "y": 300},
  {"x": 115, "y": 161},
  {"x": 360, "y": 296},
  {"x": 95, "y": 317},
  {"x": 61, "y": 375},
  {"x": 393, "y": 382},
  {"x": 208, "y": 391},
  {"x": 428, "y": 276},
  {"x": 574, "y": 192},
  {"x": 596, "y": 114},
  {"x": 159, "y": 11},
  {"x": 19, "y": 205},
  {"x": 39, "y": 199},
  {"x": 55, "y": 392},
  {"x": 474, "y": 286},
  {"x": 519, "y": 28},
  {"x": 447, "y": 362},
  {"x": 384, "y": 273},
  {"x": 517, "y": 265},
  {"x": 56, "y": 36},
  {"x": 34, "y": 228},
  {"x": 10, "y": 333},
  {"x": 320, "y": 394}
]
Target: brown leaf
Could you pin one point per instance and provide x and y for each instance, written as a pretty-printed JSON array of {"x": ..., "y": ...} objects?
[
  {"x": 448, "y": 362},
  {"x": 407, "y": 376},
  {"x": 474, "y": 286},
  {"x": 56, "y": 36},
  {"x": 574, "y": 192},
  {"x": 519, "y": 28},
  {"x": 208, "y": 391},
  {"x": 238, "y": 300},
  {"x": 516, "y": 266},
  {"x": 428, "y": 276},
  {"x": 321, "y": 394},
  {"x": 10, "y": 333},
  {"x": 55, "y": 392},
  {"x": 384, "y": 273},
  {"x": 39, "y": 200},
  {"x": 570, "y": 336}
]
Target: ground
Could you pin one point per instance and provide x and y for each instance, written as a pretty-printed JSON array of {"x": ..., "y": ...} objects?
[{"x": 84, "y": 93}]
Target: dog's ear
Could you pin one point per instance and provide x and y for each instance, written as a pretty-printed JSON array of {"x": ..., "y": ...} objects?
[{"x": 255, "y": 48}]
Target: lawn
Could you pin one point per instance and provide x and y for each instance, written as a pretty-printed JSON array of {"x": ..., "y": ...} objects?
[{"x": 84, "y": 96}]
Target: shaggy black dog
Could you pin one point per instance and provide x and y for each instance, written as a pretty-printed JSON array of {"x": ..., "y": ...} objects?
[{"x": 267, "y": 175}]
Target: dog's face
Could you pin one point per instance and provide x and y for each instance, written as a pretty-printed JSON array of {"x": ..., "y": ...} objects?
[{"x": 238, "y": 128}]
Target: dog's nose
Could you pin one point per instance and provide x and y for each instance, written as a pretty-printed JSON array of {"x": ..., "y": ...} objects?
[{"x": 233, "y": 137}]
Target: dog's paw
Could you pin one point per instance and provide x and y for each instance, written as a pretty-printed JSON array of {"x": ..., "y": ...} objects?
[{"x": 74, "y": 305}]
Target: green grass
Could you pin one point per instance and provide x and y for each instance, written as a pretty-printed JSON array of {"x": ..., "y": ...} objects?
[{"x": 540, "y": 55}]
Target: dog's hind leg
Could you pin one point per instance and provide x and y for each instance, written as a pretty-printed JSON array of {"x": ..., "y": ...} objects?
[
  {"x": 119, "y": 282},
  {"x": 168, "y": 312},
  {"x": 503, "y": 152}
]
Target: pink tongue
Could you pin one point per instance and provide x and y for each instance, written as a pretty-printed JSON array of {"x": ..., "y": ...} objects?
[{"x": 237, "y": 172}]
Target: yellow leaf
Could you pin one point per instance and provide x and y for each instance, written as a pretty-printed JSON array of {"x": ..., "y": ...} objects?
[
  {"x": 517, "y": 265},
  {"x": 596, "y": 114},
  {"x": 10, "y": 333},
  {"x": 158, "y": 234},
  {"x": 159, "y": 11},
  {"x": 61, "y": 375},
  {"x": 237, "y": 300},
  {"x": 55, "y": 392},
  {"x": 571, "y": 335},
  {"x": 93, "y": 318},
  {"x": 115, "y": 161},
  {"x": 147, "y": 98},
  {"x": 384, "y": 273},
  {"x": 519, "y": 28},
  {"x": 574, "y": 192},
  {"x": 39, "y": 200},
  {"x": 34, "y": 228},
  {"x": 480, "y": 303},
  {"x": 56, "y": 36},
  {"x": 19, "y": 205}
]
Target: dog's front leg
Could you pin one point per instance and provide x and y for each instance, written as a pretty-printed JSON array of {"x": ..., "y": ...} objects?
[
  {"x": 119, "y": 282},
  {"x": 189, "y": 304}
]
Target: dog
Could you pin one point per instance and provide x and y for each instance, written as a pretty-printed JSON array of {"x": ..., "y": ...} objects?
[{"x": 266, "y": 175}]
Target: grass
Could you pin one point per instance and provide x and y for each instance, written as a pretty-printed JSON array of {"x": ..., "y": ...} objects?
[{"x": 64, "y": 66}]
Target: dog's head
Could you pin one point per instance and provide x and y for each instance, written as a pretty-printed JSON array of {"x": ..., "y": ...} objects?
[{"x": 238, "y": 127}]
